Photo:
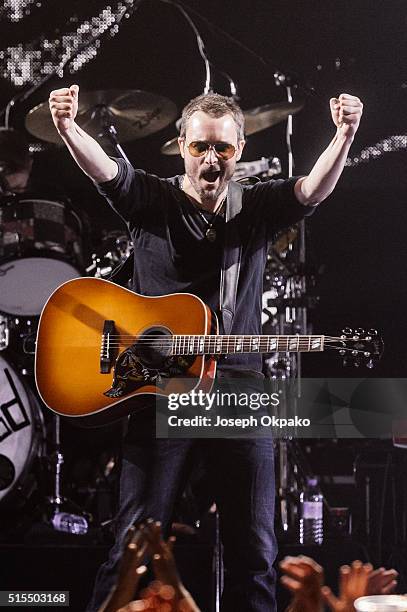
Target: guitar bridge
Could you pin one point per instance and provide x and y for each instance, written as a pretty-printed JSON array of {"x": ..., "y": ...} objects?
[{"x": 107, "y": 351}]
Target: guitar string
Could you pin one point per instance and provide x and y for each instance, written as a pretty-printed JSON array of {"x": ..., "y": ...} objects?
[
  {"x": 225, "y": 338},
  {"x": 215, "y": 352},
  {"x": 269, "y": 349},
  {"x": 245, "y": 348},
  {"x": 222, "y": 339},
  {"x": 207, "y": 339}
]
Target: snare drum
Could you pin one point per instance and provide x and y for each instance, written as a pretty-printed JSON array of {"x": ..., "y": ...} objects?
[
  {"x": 40, "y": 248},
  {"x": 22, "y": 434}
]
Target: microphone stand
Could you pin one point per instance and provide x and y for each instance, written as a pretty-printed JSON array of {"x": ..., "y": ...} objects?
[
  {"x": 297, "y": 316},
  {"x": 102, "y": 113}
]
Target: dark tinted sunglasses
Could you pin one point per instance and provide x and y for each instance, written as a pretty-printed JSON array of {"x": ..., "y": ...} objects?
[{"x": 223, "y": 150}]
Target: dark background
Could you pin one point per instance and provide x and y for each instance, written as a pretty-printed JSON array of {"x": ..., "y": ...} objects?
[{"x": 358, "y": 235}]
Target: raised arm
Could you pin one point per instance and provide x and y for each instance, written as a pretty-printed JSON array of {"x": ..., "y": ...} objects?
[
  {"x": 346, "y": 113},
  {"x": 87, "y": 153}
]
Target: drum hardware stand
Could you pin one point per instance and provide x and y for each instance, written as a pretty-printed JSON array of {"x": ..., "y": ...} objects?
[
  {"x": 103, "y": 114},
  {"x": 217, "y": 562},
  {"x": 31, "y": 337},
  {"x": 76, "y": 524},
  {"x": 295, "y": 365},
  {"x": 58, "y": 460}
]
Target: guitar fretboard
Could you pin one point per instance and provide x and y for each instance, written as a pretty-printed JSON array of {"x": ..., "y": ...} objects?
[{"x": 221, "y": 345}]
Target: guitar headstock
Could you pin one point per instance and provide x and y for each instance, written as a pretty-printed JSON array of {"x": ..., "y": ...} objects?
[{"x": 359, "y": 347}]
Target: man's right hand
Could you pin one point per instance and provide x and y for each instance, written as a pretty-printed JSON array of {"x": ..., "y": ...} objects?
[{"x": 63, "y": 104}]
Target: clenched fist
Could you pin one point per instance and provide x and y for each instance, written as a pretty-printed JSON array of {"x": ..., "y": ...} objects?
[
  {"x": 63, "y": 104},
  {"x": 346, "y": 112}
]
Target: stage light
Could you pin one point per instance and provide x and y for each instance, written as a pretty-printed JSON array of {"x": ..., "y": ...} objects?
[{"x": 28, "y": 63}]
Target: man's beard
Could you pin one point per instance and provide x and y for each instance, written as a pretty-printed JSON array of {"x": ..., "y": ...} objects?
[
  {"x": 205, "y": 191},
  {"x": 210, "y": 194}
]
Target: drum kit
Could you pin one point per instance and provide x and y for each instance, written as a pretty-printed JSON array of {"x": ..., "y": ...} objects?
[{"x": 42, "y": 246}]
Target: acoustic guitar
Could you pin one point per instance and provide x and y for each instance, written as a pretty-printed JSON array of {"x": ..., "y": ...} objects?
[{"x": 103, "y": 350}]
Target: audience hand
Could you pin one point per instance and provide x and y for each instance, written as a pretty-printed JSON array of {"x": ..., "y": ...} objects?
[
  {"x": 304, "y": 578},
  {"x": 130, "y": 571},
  {"x": 167, "y": 592},
  {"x": 382, "y": 582},
  {"x": 160, "y": 597},
  {"x": 353, "y": 583},
  {"x": 165, "y": 569}
]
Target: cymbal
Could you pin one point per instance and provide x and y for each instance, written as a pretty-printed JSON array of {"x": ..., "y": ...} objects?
[
  {"x": 262, "y": 117},
  {"x": 134, "y": 114},
  {"x": 256, "y": 120},
  {"x": 170, "y": 147}
]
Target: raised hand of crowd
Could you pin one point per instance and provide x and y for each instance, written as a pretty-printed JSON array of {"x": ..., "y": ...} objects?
[
  {"x": 131, "y": 569},
  {"x": 304, "y": 578},
  {"x": 353, "y": 583},
  {"x": 165, "y": 594}
]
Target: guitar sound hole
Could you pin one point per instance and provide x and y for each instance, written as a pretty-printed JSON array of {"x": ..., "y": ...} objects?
[{"x": 153, "y": 347}]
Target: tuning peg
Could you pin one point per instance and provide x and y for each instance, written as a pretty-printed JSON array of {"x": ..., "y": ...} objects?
[
  {"x": 347, "y": 331},
  {"x": 373, "y": 332},
  {"x": 370, "y": 364},
  {"x": 360, "y": 331}
]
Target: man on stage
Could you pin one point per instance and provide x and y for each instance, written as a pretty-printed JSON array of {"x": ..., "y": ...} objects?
[{"x": 178, "y": 228}]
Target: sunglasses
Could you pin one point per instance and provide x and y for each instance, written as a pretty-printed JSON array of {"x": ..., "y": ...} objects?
[{"x": 223, "y": 150}]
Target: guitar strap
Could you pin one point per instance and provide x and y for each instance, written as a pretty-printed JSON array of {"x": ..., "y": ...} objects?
[
  {"x": 232, "y": 255},
  {"x": 123, "y": 272}
]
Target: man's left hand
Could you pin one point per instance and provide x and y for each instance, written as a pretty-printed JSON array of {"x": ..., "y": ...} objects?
[{"x": 346, "y": 113}]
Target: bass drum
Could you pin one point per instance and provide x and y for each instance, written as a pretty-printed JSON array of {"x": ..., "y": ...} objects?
[
  {"x": 40, "y": 248},
  {"x": 22, "y": 435}
]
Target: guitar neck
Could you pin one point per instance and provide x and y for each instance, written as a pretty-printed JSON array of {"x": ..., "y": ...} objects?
[{"x": 225, "y": 345}]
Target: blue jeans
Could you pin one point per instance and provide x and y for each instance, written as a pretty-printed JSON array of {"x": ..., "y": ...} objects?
[{"x": 242, "y": 473}]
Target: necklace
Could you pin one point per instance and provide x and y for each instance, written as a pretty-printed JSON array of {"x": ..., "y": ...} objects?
[{"x": 210, "y": 232}]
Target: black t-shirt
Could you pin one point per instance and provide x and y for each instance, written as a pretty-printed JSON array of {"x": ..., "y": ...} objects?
[{"x": 171, "y": 253}]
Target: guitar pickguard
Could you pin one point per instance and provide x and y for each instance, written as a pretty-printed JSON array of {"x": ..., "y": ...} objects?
[{"x": 130, "y": 373}]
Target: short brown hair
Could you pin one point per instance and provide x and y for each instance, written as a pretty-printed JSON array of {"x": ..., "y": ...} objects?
[{"x": 214, "y": 105}]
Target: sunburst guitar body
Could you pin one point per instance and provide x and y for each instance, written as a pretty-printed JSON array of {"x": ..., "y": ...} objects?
[{"x": 103, "y": 350}]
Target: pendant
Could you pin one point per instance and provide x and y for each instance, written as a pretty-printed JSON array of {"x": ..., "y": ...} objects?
[{"x": 210, "y": 234}]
